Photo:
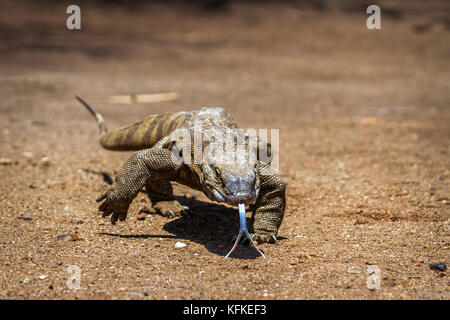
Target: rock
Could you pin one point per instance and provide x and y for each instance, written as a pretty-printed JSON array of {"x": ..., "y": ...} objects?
[
  {"x": 5, "y": 161},
  {"x": 44, "y": 161},
  {"x": 438, "y": 266},
  {"x": 42, "y": 277},
  {"x": 26, "y": 280},
  {"x": 353, "y": 270},
  {"x": 142, "y": 216},
  {"x": 23, "y": 217},
  {"x": 68, "y": 237},
  {"x": 180, "y": 245},
  {"x": 361, "y": 220}
]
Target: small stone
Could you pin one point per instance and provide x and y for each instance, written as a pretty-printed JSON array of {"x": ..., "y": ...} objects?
[
  {"x": 5, "y": 161},
  {"x": 23, "y": 217},
  {"x": 180, "y": 245},
  {"x": 26, "y": 280},
  {"x": 45, "y": 161},
  {"x": 42, "y": 277},
  {"x": 361, "y": 220},
  {"x": 438, "y": 266},
  {"x": 68, "y": 237},
  {"x": 353, "y": 270},
  {"x": 141, "y": 216}
]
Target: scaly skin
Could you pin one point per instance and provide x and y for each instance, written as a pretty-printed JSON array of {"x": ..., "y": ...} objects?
[{"x": 153, "y": 166}]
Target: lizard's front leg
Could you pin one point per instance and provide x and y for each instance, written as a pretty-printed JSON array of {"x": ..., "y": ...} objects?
[
  {"x": 270, "y": 205},
  {"x": 142, "y": 167}
]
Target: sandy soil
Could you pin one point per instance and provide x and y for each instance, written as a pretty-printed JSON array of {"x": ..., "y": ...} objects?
[{"x": 364, "y": 147}]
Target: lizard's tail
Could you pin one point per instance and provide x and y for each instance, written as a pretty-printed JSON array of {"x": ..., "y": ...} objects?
[
  {"x": 139, "y": 135},
  {"x": 100, "y": 121}
]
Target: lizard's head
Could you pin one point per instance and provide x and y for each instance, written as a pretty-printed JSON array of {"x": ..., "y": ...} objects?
[{"x": 230, "y": 183}]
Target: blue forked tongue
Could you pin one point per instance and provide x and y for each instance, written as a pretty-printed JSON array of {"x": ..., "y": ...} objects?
[{"x": 243, "y": 229}]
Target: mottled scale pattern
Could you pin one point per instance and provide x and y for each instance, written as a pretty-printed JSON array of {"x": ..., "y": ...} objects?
[
  {"x": 153, "y": 167},
  {"x": 142, "y": 134}
]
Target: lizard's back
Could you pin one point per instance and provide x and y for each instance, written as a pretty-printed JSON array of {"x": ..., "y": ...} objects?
[{"x": 146, "y": 133}]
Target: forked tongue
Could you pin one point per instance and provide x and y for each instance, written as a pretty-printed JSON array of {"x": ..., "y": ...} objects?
[{"x": 243, "y": 229}]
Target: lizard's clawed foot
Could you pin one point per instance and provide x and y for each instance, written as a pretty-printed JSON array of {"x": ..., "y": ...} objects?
[
  {"x": 170, "y": 209},
  {"x": 147, "y": 210},
  {"x": 113, "y": 205},
  {"x": 257, "y": 238},
  {"x": 264, "y": 238}
]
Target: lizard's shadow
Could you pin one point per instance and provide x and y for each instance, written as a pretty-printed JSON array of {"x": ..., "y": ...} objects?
[{"x": 212, "y": 225}]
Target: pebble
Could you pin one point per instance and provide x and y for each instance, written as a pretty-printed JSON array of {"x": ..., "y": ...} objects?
[
  {"x": 45, "y": 161},
  {"x": 43, "y": 277},
  {"x": 142, "y": 216},
  {"x": 68, "y": 237},
  {"x": 361, "y": 220},
  {"x": 438, "y": 266},
  {"x": 353, "y": 270},
  {"x": 26, "y": 280},
  {"x": 23, "y": 217},
  {"x": 180, "y": 245},
  {"x": 5, "y": 161}
]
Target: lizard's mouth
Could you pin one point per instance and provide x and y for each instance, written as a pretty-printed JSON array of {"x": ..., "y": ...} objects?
[{"x": 234, "y": 199}]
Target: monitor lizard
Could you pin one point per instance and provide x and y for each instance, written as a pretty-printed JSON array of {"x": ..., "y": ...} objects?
[{"x": 154, "y": 165}]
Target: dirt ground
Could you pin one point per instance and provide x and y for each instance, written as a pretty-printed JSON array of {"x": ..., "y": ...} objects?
[{"x": 364, "y": 148}]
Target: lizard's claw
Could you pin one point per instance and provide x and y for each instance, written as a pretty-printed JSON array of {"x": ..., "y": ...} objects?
[
  {"x": 170, "y": 209},
  {"x": 257, "y": 238},
  {"x": 113, "y": 205}
]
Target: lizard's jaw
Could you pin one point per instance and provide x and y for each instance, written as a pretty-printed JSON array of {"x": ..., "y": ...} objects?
[{"x": 233, "y": 199}]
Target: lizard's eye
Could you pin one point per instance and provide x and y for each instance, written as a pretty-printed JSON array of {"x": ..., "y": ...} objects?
[{"x": 217, "y": 172}]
